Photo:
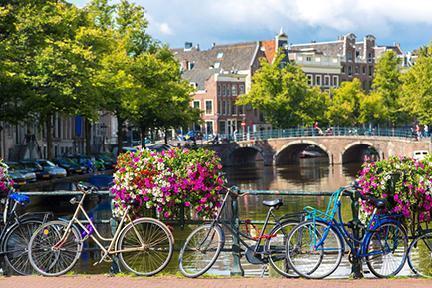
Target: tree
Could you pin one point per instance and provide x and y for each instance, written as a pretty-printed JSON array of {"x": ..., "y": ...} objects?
[
  {"x": 344, "y": 108},
  {"x": 372, "y": 108},
  {"x": 52, "y": 61},
  {"x": 386, "y": 82},
  {"x": 416, "y": 89},
  {"x": 281, "y": 92}
]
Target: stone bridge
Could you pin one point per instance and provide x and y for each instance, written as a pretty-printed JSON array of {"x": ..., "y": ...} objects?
[{"x": 338, "y": 149}]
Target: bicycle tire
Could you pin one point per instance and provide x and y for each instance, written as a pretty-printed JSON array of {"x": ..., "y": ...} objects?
[
  {"x": 420, "y": 255},
  {"x": 15, "y": 246},
  {"x": 214, "y": 230},
  {"x": 55, "y": 230},
  {"x": 153, "y": 228},
  {"x": 313, "y": 271},
  {"x": 281, "y": 255},
  {"x": 377, "y": 231}
]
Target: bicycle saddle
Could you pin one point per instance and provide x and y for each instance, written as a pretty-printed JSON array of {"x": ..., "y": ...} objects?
[
  {"x": 20, "y": 198},
  {"x": 378, "y": 202},
  {"x": 273, "y": 203}
]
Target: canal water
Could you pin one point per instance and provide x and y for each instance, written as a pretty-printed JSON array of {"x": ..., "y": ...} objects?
[{"x": 311, "y": 175}]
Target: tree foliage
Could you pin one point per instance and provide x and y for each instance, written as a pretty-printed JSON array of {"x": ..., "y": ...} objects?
[
  {"x": 416, "y": 89},
  {"x": 283, "y": 95}
]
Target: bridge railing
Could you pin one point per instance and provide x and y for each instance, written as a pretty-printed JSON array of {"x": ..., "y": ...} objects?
[{"x": 313, "y": 132}]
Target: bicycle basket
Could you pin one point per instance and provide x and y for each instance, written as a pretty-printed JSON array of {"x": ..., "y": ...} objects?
[{"x": 327, "y": 215}]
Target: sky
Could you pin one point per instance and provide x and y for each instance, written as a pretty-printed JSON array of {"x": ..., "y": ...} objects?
[{"x": 230, "y": 21}]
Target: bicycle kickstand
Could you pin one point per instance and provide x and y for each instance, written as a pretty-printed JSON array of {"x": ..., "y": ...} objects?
[{"x": 264, "y": 269}]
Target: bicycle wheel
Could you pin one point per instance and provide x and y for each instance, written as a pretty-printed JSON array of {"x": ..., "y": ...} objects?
[
  {"x": 201, "y": 249},
  {"x": 15, "y": 246},
  {"x": 53, "y": 250},
  {"x": 145, "y": 246},
  {"x": 420, "y": 255},
  {"x": 276, "y": 246},
  {"x": 314, "y": 249},
  {"x": 386, "y": 250}
]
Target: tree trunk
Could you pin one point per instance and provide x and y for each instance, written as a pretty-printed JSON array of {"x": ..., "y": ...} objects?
[
  {"x": 49, "y": 136},
  {"x": 166, "y": 136},
  {"x": 143, "y": 135},
  {"x": 88, "y": 147},
  {"x": 120, "y": 123}
]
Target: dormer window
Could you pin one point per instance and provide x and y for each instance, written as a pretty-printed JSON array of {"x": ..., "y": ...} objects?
[
  {"x": 190, "y": 65},
  {"x": 308, "y": 58},
  {"x": 216, "y": 65},
  {"x": 219, "y": 55}
]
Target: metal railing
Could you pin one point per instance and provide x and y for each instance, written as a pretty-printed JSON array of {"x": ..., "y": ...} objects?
[
  {"x": 404, "y": 133},
  {"x": 235, "y": 220}
]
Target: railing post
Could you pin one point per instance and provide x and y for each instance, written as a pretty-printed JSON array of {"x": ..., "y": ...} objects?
[
  {"x": 115, "y": 264},
  {"x": 356, "y": 268},
  {"x": 236, "y": 269}
]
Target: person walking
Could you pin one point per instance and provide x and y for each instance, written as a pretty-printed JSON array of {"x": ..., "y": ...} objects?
[{"x": 426, "y": 130}]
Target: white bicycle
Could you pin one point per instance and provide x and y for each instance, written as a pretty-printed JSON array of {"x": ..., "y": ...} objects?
[{"x": 144, "y": 245}]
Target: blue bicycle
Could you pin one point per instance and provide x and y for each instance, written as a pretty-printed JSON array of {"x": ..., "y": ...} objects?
[{"x": 315, "y": 246}]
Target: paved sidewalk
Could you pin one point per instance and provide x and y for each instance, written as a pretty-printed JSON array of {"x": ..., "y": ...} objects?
[{"x": 102, "y": 281}]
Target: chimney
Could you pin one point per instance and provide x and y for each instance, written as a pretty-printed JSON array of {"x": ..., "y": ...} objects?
[
  {"x": 197, "y": 47},
  {"x": 213, "y": 44}
]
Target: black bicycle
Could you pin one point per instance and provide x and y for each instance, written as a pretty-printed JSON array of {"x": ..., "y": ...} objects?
[
  {"x": 16, "y": 232},
  {"x": 420, "y": 252},
  {"x": 204, "y": 244}
]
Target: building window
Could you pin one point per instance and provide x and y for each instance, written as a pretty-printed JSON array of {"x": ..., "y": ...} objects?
[
  {"x": 226, "y": 108},
  {"x": 310, "y": 81},
  {"x": 349, "y": 56},
  {"x": 190, "y": 65},
  {"x": 233, "y": 108},
  {"x": 208, "y": 107},
  {"x": 370, "y": 58},
  {"x": 219, "y": 55},
  {"x": 318, "y": 80},
  {"x": 223, "y": 107},
  {"x": 220, "y": 107},
  {"x": 357, "y": 53},
  {"x": 209, "y": 127},
  {"x": 364, "y": 70},
  {"x": 223, "y": 90},
  {"x": 370, "y": 71},
  {"x": 349, "y": 70},
  {"x": 327, "y": 80},
  {"x": 242, "y": 89},
  {"x": 219, "y": 90},
  {"x": 228, "y": 90},
  {"x": 335, "y": 81},
  {"x": 357, "y": 69},
  {"x": 240, "y": 110},
  {"x": 222, "y": 127},
  {"x": 197, "y": 104},
  {"x": 308, "y": 58},
  {"x": 343, "y": 69},
  {"x": 234, "y": 90}
]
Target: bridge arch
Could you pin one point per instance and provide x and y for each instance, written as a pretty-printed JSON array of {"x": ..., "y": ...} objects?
[
  {"x": 246, "y": 155},
  {"x": 355, "y": 152},
  {"x": 289, "y": 153}
]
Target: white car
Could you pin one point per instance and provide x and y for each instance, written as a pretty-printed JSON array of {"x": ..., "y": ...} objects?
[{"x": 420, "y": 154}]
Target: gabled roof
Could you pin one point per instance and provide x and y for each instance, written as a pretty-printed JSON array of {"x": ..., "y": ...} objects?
[
  {"x": 332, "y": 48},
  {"x": 228, "y": 57}
]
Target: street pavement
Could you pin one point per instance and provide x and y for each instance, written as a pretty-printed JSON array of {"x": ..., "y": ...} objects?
[{"x": 102, "y": 281}]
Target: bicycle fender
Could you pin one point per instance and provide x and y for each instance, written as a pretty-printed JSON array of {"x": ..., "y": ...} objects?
[{"x": 370, "y": 232}]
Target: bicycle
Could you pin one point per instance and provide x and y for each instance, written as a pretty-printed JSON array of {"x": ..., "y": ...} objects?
[
  {"x": 320, "y": 239},
  {"x": 420, "y": 253},
  {"x": 144, "y": 245},
  {"x": 16, "y": 232},
  {"x": 205, "y": 243}
]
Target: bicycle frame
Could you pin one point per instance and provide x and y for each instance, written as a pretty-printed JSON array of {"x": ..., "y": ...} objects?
[
  {"x": 258, "y": 240},
  {"x": 111, "y": 249}
]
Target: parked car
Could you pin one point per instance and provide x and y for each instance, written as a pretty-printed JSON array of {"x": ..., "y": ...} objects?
[
  {"x": 53, "y": 170},
  {"x": 36, "y": 168},
  {"x": 159, "y": 147},
  {"x": 88, "y": 163},
  {"x": 18, "y": 178},
  {"x": 28, "y": 175},
  {"x": 70, "y": 166},
  {"x": 108, "y": 160}
]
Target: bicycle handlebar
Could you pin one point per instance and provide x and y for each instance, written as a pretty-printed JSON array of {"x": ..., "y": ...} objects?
[
  {"x": 86, "y": 188},
  {"x": 234, "y": 190}
]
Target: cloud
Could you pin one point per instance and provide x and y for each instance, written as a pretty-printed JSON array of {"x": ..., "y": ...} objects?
[{"x": 207, "y": 21}]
